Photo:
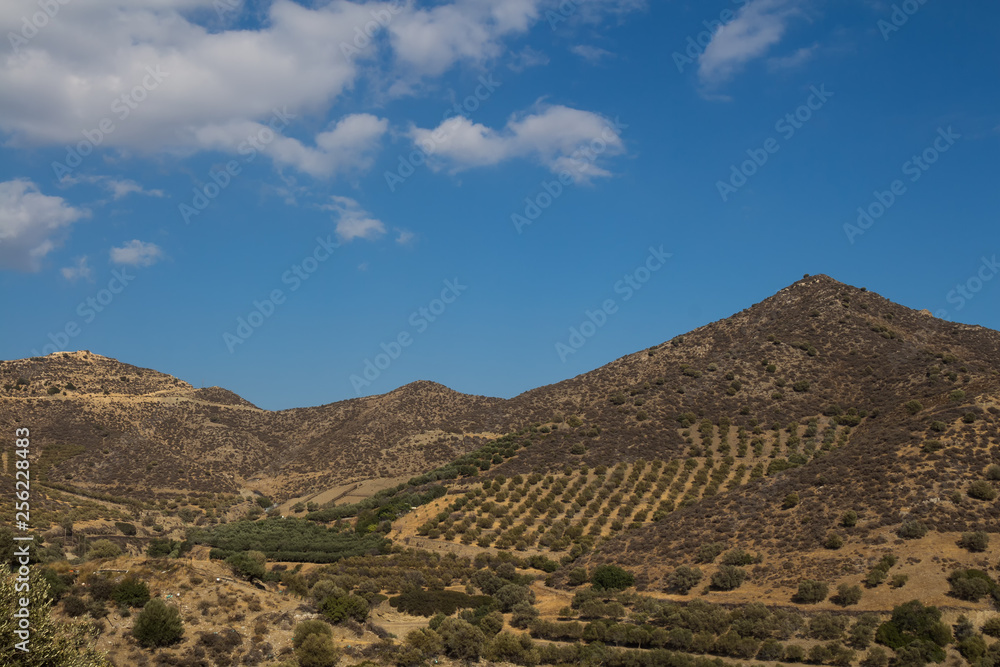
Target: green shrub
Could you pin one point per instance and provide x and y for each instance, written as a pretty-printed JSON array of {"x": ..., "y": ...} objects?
[
  {"x": 707, "y": 553},
  {"x": 912, "y": 530},
  {"x": 913, "y": 407},
  {"x": 801, "y": 386},
  {"x": 125, "y": 528},
  {"x": 103, "y": 549},
  {"x": 972, "y": 585},
  {"x": 339, "y": 608},
  {"x": 993, "y": 473},
  {"x": 847, "y": 595},
  {"x": 310, "y": 627},
  {"x": 992, "y": 627},
  {"x": 611, "y": 577},
  {"x": 811, "y": 592},
  {"x": 791, "y": 500},
  {"x": 158, "y": 624},
  {"x": 683, "y": 579},
  {"x": 849, "y": 519},
  {"x": 249, "y": 564},
  {"x": 317, "y": 650},
  {"x": 130, "y": 592},
  {"x": 977, "y": 541},
  {"x": 833, "y": 541},
  {"x": 728, "y": 578},
  {"x": 982, "y": 490}
]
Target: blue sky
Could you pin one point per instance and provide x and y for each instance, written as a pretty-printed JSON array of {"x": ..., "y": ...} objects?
[{"x": 614, "y": 174}]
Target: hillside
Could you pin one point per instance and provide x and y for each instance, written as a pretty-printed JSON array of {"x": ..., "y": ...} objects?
[{"x": 781, "y": 485}]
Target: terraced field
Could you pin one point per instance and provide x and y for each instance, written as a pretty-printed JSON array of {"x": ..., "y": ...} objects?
[{"x": 572, "y": 511}]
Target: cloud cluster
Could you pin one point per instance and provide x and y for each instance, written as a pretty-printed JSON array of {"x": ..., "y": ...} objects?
[
  {"x": 554, "y": 136},
  {"x": 32, "y": 224}
]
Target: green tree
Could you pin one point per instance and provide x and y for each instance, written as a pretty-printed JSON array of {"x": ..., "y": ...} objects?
[
  {"x": 811, "y": 592},
  {"x": 130, "y": 592},
  {"x": 317, "y": 650},
  {"x": 611, "y": 577},
  {"x": 310, "y": 627},
  {"x": 683, "y": 579},
  {"x": 248, "y": 564},
  {"x": 158, "y": 624},
  {"x": 728, "y": 578},
  {"x": 50, "y": 643}
]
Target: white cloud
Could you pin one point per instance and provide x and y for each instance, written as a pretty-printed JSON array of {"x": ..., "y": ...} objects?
[
  {"x": 793, "y": 60},
  {"x": 592, "y": 54},
  {"x": 556, "y": 136},
  {"x": 353, "y": 222},
  {"x": 78, "y": 270},
  {"x": 218, "y": 79},
  {"x": 137, "y": 253},
  {"x": 405, "y": 237},
  {"x": 527, "y": 58},
  {"x": 118, "y": 187},
  {"x": 31, "y": 224},
  {"x": 759, "y": 25}
]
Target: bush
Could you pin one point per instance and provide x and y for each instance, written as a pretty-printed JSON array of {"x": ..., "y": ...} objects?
[
  {"x": 739, "y": 557},
  {"x": 912, "y": 530},
  {"x": 707, "y": 553},
  {"x": 728, "y": 578},
  {"x": 130, "y": 592},
  {"x": 913, "y": 407},
  {"x": 833, "y": 541},
  {"x": 74, "y": 606},
  {"x": 461, "y": 639},
  {"x": 972, "y": 585},
  {"x": 683, "y": 579},
  {"x": 811, "y": 592},
  {"x": 577, "y": 576},
  {"x": 339, "y": 608},
  {"x": 125, "y": 528},
  {"x": 611, "y": 577},
  {"x": 847, "y": 595},
  {"x": 791, "y": 500},
  {"x": 317, "y": 650},
  {"x": 801, "y": 386},
  {"x": 982, "y": 490},
  {"x": 158, "y": 624},
  {"x": 849, "y": 519},
  {"x": 992, "y": 627},
  {"x": 103, "y": 549},
  {"x": 310, "y": 627},
  {"x": 977, "y": 541},
  {"x": 249, "y": 564},
  {"x": 993, "y": 473}
]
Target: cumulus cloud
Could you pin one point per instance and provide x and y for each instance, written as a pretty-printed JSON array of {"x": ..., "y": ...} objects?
[
  {"x": 353, "y": 222},
  {"x": 79, "y": 270},
  {"x": 137, "y": 253},
  {"x": 31, "y": 224},
  {"x": 561, "y": 138},
  {"x": 759, "y": 25}
]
